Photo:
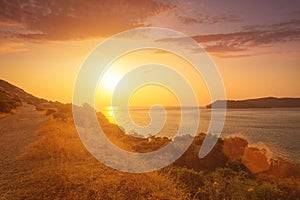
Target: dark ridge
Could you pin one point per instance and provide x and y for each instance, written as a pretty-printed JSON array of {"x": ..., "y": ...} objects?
[
  {"x": 267, "y": 102},
  {"x": 11, "y": 97}
]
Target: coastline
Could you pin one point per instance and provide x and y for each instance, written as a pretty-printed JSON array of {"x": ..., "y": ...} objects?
[{"x": 61, "y": 165}]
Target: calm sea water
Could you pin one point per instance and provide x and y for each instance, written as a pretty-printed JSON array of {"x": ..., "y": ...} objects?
[{"x": 275, "y": 129}]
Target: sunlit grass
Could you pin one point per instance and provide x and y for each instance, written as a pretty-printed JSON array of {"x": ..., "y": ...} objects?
[{"x": 57, "y": 166}]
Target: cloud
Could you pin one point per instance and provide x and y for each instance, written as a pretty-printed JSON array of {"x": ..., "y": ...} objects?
[
  {"x": 295, "y": 13},
  {"x": 11, "y": 47},
  {"x": 237, "y": 44},
  {"x": 206, "y": 19},
  {"x": 188, "y": 20},
  {"x": 74, "y": 19},
  {"x": 251, "y": 37}
]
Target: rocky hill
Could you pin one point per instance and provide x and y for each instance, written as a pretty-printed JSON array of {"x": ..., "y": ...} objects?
[
  {"x": 267, "y": 102},
  {"x": 11, "y": 97}
]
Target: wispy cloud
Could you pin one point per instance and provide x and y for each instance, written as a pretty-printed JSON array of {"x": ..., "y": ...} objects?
[
  {"x": 11, "y": 47},
  {"x": 251, "y": 37},
  {"x": 207, "y": 19},
  {"x": 237, "y": 44},
  {"x": 74, "y": 19},
  {"x": 39, "y": 21}
]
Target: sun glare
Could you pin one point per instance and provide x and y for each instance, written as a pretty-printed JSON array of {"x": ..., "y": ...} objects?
[{"x": 110, "y": 81}]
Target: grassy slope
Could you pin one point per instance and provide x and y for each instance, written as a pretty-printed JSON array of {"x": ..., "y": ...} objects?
[{"x": 58, "y": 166}]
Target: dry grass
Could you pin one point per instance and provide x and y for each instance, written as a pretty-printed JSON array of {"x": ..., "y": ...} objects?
[{"x": 58, "y": 167}]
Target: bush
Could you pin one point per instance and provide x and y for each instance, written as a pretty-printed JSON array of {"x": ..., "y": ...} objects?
[{"x": 225, "y": 183}]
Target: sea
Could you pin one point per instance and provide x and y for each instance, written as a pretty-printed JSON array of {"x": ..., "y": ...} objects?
[{"x": 275, "y": 129}]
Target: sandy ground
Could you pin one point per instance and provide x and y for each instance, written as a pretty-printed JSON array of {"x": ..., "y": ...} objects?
[{"x": 17, "y": 132}]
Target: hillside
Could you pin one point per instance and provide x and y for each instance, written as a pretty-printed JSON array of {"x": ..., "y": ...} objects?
[
  {"x": 11, "y": 97},
  {"x": 267, "y": 102},
  {"x": 49, "y": 161}
]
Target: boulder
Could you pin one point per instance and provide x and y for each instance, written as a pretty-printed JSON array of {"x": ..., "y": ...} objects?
[
  {"x": 233, "y": 148},
  {"x": 255, "y": 159}
]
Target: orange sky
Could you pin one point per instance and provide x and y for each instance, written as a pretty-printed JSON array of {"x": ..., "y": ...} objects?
[{"x": 255, "y": 45}]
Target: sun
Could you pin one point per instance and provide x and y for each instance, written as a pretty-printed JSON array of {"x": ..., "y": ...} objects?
[
  {"x": 110, "y": 81},
  {"x": 106, "y": 87}
]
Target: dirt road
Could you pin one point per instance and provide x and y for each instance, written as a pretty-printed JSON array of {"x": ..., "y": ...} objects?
[{"x": 17, "y": 132}]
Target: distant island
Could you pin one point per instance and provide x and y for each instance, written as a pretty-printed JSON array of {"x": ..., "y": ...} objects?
[{"x": 267, "y": 102}]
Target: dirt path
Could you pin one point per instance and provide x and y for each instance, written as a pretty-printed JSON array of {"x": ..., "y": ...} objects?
[{"x": 17, "y": 132}]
